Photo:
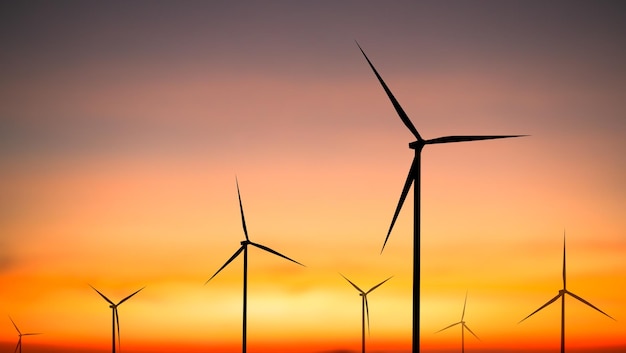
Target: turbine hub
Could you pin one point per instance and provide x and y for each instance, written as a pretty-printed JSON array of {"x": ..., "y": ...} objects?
[
  {"x": 416, "y": 145},
  {"x": 245, "y": 242}
]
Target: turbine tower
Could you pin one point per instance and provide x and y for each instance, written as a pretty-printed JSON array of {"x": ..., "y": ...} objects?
[
  {"x": 364, "y": 308},
  {"x": 116, "y": 318},
  {"x": 244, "y": 249},
  {"x": 18, "y": 348},
  {"x": 561, "y": 295},
  {"x": 463, "y": 327},
  {"x": 414, "y": 177}
]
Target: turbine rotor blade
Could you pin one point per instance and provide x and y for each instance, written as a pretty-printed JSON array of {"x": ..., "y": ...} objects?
[
  {"x": 405, "y": 191},
  {"x": 102, "y": 295},
  {"x": 378, "y": 285},
  {"x": 586, "y": 302},
  {"x": 19, "y": 343},
  {"x": 128, "y": 297},
  {"x": 447, "y": 327},
  {"x": 449, "y": 139},
  {"x": 227, "y": 262},
  {"x": 543, "y": 306},
  {"x": 405, "y": 119},
  {"x": 464, "y": 304},
  {"x": 32, "y": 334},
  {"x": 243, "y": 218},
  {"x": 352, "y": 283},
  {"x": 14, "y": 325},
  {"x": 367, "y": 313},
  {"x": 464, "y": 325},
  {"x": 275, "y": 252},
  {"x": 564, "y": 280},
  {"x": 117, "y": 320}
]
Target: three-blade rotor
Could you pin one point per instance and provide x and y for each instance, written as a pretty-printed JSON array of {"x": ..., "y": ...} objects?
[
  {"x": 245, "y": 243},
  {"x": 364, "y": 295},
  {"x": 418, "y": 144},
  {"x": 18, "y": 347},
  {"x": 116, "y": 317}
]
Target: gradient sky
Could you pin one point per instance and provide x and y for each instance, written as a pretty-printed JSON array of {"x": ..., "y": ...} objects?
[{"x": 124, "y": 124}]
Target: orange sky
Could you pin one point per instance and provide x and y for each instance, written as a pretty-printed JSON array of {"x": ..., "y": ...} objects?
[{"x": 123, "y": 126}]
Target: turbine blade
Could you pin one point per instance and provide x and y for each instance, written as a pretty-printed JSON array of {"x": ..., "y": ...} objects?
[
  {"x": 447, "y": 327},
  {"x": 471, "y": 331},
  {"x": 102, "y": 295},
  {"x": 378, "y": 285},
  {"x": 449, "y": 139},
  {"x": 405, "y": 119},
  {"x": 19, "y": 343},
  {"x": 543, "y": 306},
  {"x": 564, "y": 281},
  {"x": 464, "y": 304},
  {"x": 125, "y": 299},
  {"x": 14, "y": 325},
  {"x": 32, "y": 334},
  {"x": 354, "y": 285},
  {"x": 243, "y": 218},
  {"x": 275, "y": 252},
  {"x": 367, "y": 314},
  {"x": 227, "y": 262},
  {"x": 405, "y": 191},
  {"x": 588, "y": 303},
  {"x": 117, "y": 320}
]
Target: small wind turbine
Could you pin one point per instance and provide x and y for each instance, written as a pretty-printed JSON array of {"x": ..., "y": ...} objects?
[
  {"x": 463, "y": 327},
  {"x": 244, "y": 249},
  {"x": 561, "y": 295},
  {"x": 414, "y": 177},
  {"x": 20, "y": 334},
  {"x": 365, "y": 311},
  {"x": 116, "y": 317}
]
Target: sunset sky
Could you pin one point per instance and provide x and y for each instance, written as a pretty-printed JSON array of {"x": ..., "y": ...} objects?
[{"x": 123, "y": 126}]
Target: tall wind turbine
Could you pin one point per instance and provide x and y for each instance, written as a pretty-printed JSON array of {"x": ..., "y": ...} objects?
[
  {"x": 414, "y": 177},
  {"x": 365, "y": 311},
  {"x": 244, "y": 249},
  {"x": 116, "y": 317},
  {"x": 561, "y": 295},
  {"x": 463, "y": 327},
  {"x": 20, "y": 334}
]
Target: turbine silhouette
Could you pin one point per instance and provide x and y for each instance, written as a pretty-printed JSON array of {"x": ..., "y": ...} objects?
[
  {"x": 20, "y": 334},
  {"x": 561, "y": 295},
  {"x": 463, "y": 327},
  {"x": 244, "y": 249},
  {"x": 364, "y": 308},
  {"x": 116, "y": 318},
  {"x": 414, "y": 177}
]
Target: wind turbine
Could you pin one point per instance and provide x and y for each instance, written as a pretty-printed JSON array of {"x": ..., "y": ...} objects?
[
  {"x": 364, "y": 308},
  {"x": 244, "y": 249},
  {"x": 414, "y": 177},
  {"x": 20, "y": 334},
  {"x": 116, "y": 317},
  {"x": 561, "y": 295},
  {"x": 463, "y": 327}
]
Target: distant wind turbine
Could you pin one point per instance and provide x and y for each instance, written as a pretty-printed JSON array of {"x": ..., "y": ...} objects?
[
  {"x": 463, "y": 327},
  {"x": 20, "y": 334},
  {"x": 561, "y": 295},
  {"x": 116, "y": 318},
  {"x": 414, "y": 177},
  {"x": 244, "y": 249},
  {"x": 364, "y": 308}
]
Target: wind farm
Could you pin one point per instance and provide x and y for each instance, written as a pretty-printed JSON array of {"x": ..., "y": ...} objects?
[{"x": 123, "y": 125}]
